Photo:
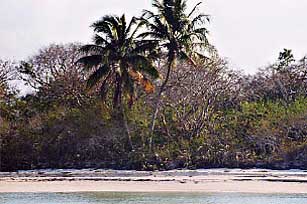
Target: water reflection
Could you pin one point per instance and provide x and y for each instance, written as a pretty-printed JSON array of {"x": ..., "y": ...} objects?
[{"x": 150, "y": 198}]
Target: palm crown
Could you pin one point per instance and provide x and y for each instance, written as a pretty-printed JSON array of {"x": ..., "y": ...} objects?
[
  {"x": 117, "y": 59},
  {"x": 179, "y": 32}
]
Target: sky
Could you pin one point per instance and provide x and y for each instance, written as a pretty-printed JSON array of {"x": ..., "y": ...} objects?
[{"x": 249, "y": 33}]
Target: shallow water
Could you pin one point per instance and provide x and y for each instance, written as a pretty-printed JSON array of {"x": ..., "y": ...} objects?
[{"x": 150, "y": 198}]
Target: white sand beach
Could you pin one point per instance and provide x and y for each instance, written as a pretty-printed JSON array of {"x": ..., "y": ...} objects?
[{"x": 214, "y": 180}]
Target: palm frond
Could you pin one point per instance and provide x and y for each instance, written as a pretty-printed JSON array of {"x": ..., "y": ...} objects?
[
  {"x": 150, "y": 34},
  {"x": 109, "y": 25},
  {"x": 90, "y": 61},
  {"x": 147, "y": 15},
  {"x": 122, "y": 27},
  {"x": 157, "y": 29},
  {"x": 133, "y": 21},
  {"x": 201, "y": 56},
  {"x": 104, "y": 27},
  {"x": 184, "y": 56},
  {"x": 139, "y": 25},
  {"x": 142, "y": 63},
  {"x": 97, "y": 75},
  {"x": 92, "y": 49},
  {"x": 200, "y": 34},
  {"x": 203, "y": 31},
  {"x": 156, "y": 4},
  {"x": 98, "y": 40},
  {"x": 199, "y": 20},
  {"x": 145, "y": 46},
  {"x": 194, "y": 9}
]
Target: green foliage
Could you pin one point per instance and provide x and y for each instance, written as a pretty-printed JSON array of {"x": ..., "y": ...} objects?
[
  {"x": 285, "y": 59},
  {"x": 207, "y": 116},
  {"x": 263, "y": 133}
]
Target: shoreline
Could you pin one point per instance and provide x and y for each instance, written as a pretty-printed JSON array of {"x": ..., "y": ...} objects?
[{"x": 189, "y": 181}]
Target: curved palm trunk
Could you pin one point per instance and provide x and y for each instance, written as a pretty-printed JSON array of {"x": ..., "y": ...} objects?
[{"x": 156, "y": 107}]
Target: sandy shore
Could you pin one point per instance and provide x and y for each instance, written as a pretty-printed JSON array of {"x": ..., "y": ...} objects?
[{"x": 215, "y": 180}]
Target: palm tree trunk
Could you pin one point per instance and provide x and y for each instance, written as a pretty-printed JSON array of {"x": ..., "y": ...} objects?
[
  {"x": 157, "y": 105},
  {"x": 0, "y": 153},
  {"x": 126, "y": 126},
  {"x": 118, "y": 103}
]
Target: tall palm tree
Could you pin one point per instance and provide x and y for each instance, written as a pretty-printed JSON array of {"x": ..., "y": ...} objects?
[
  {"x": 117, "y": 61},
  {"x": 180, "y": 34}
]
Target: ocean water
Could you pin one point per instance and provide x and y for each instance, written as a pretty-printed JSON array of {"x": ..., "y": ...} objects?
[{"x": 151, "y": 198}]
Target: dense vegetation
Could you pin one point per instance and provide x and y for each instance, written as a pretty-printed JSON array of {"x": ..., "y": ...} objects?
[{"x": 149, "y": 94}]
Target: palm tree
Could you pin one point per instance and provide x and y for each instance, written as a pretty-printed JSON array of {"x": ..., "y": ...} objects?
[
  {"x": 180, "y": 34},
  {"x": 117, "y": 61}
]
